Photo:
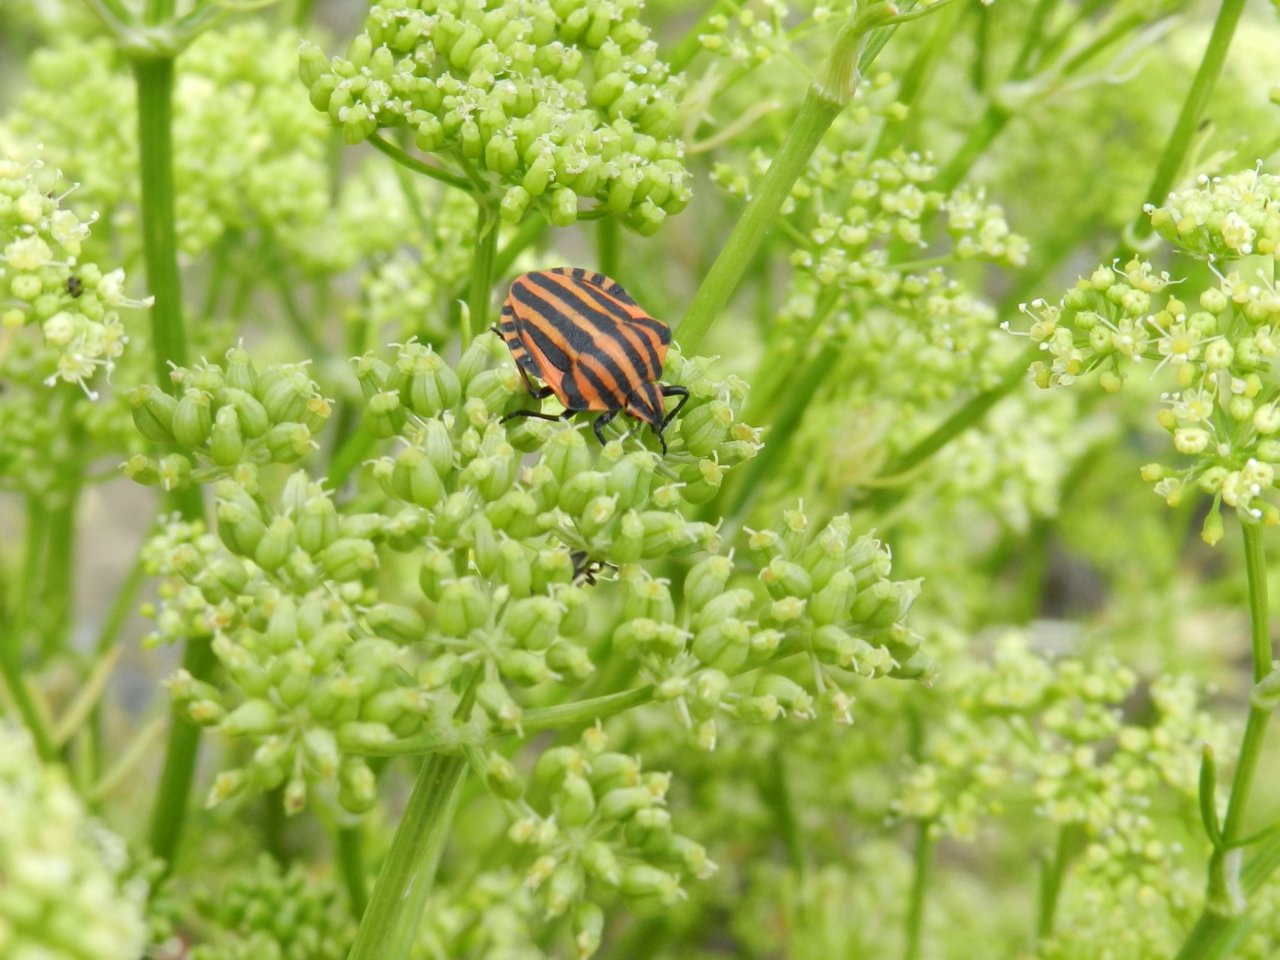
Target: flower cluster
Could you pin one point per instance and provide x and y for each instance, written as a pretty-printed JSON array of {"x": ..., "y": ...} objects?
[
  {"x": 344, "y": 628},
  {"x": 544, "y": 104},
  {"x": 605, "y": 828},
  {"x": 75, "y": 304},
  {"x": 268, "y": 913},
  {"x": 1217, "y": 344},
  {"x": 65, "y": 894},
  {"x": 493, "y": 915},
  {"x": 226, "y": 418},
  {"x": 1054, "y": 732}
]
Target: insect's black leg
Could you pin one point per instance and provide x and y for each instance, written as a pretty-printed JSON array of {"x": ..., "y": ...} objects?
[
  {"x": 600, "y": 423},
  {"x": 674, "y": 390},
  {"x": 538, "y": 393},
  {"x": 539, "y": 414},
  {"x": 493, "y": 328}
]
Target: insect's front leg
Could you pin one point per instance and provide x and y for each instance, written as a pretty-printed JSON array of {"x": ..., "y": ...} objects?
[
  {"x": 674, "y": 390},
  {"x": 600, "y": 423}
]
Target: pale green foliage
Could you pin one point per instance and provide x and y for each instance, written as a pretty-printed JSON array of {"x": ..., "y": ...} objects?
[{"x": 65, "y": 893}]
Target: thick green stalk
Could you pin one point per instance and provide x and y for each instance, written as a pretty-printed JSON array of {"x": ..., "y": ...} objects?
[
  {"x": 154, "y": 78},
  {"x": 827, "y": 97},
  {"x": 1055, "y": 871},
  {"x": 919, "y": 890},
  {"x": 1224, "y": 918},
  {"x": 395, "y": 910},
  {"x": 1169, "y": 166},
  {"x": 11, "y": 670},
  {"x": 608, "y": 246}
]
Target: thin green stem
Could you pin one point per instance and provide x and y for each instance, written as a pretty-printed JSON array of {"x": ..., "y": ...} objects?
[
  {"x": 15, "y": 682},
  {"x": 349, "y": 841},
  {"x": 486, "y": 247},
  {"x": 1055, "y": 871},
  {"x": 691, "y": 43},
  {"x": 1181, "y": 140},
  {"x": 923, "y": 865},
  {"x": 1223, "y": 920},
  {"x": 390, "y": 922},
  {"x": 413, "y": 163},
  {"x": 159, "y": 11}
]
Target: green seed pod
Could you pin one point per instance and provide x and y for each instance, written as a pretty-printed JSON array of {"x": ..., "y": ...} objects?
[
  {"x": 515, "y": 203},
  {"x": 575, "y": 802},
  {"x": 240, "y": 525},
  {"x": 357, "y": 785},
  {"x": 317, "y": 524},
  {"x": 835, "y": 646},
  {"x": 609, "y": 771},
  {"x": 588, "y": 929},
  {"x": 597, "y": 515},
  {"x": 515, "y": 566},
  {"x": 251, "y": 415},
  {"x": 226, "y": 444},
  {"x": 142, "y": 470},
  {"x": 291, "y": 676},
  {"x": 790, "y": 695},
  {"x": 193, "y": 418},
  {"x": 831, "y": 604},
  {"x": 320, "y": 748},
  {"x": 253, "y": 718},
  {"x": 532, "y": 622},
  {"x": 563, "y": 207},
  {"x": 564, "y": 889},
  {"x": 758, "y": 709},
  {"x": 153, "y": 412},
  {"x": 884, "y": 602},
  {"x": 705, "y": 427},
  {"x": 373, "y": 373},
  {"x": 569, "y": 659},
  {"x": 288, "y": 442},
  {"x": 725, "y": 645},
  {"x": 440, "y": 671},
  {"x": 502, "y": 777},
  {"x": 432, "y": 386},
  {"x": 707, "y": 691},
  {"x": 555, "y": 763},
  {"x": 783, "y": 578},
  {"x": 525, "y": 667},
  {"x": 551, "y": 566},
  {"x": 622, "y": 804},
  {"x": 464, "y": 606},
  {"x": 647, "y": 597},
  {"x": 384, "y": 414},
  {"x": 577, "y": 490},
  {"x": 706, "y": 580},
  {"x": 496, "y": 702},
  {"x": 514, "y": 513},
  {"x": 358, "y": 736},
  {"x": 348, "y": 559},
  {"x": 650, "y": 831},
  {"x": 723, "y": 605},
  {"x": 649, "y": 890},
  {"x": 413, "y": 479},
  {"x": 396, "y": 622}
]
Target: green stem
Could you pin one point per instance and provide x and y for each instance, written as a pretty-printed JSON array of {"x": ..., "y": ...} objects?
[
  {"x": 1180, "y": 141},
  {"x": 16, "y": 683},
  {"x": 1055, "y": 871},
  {"x": 390, "y": 922},
  {"x": 413, "y": 163},
  {"x": 350, "y": 849},
  {"x": 486, "y": 248},
  {"x": 608, "y": 246},
  {"x": 919, "y": 890},
  {"x": 169, "y": 814},
  {"x": 1224, "y": 920},
  {"x": 57, "y": 588},
  {"x": 690, "y": 44},
  {"x": 814, "y": 119},
  {"x": 160, "y": 242}
]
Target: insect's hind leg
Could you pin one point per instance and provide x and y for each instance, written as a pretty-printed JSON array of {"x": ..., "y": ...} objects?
[
  {"x": 539, "y": 414},
  {"x": 674, "y": 390},
  {"x": 601, "y": 422}
]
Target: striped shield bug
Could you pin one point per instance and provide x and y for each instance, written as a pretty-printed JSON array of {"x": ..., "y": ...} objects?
[{"x": 583, "y": 336}]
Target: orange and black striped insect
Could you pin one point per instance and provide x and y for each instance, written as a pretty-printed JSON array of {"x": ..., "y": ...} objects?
[{"x": 592, "y": 345}]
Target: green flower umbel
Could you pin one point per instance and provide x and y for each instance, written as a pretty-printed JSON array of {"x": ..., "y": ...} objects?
[
  {"x": 544, "y": 104},
  {"x": 63, "y": 895}
]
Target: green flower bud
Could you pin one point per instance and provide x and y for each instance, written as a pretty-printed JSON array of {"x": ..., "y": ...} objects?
[
  {"x": 577, "y": 490},
  {"x": 414, "y": 479},
  {"x": 384, "y": 414},
  {"x": 240, "y": 526},
  {"x": 784, "y": 578},
  {"x": 226, "y": 443},
  {"x": 884, "y": 602},
  {"x": 287, "y": 442},
  {"x": 648, "y": 598},
  {"x": 348, "y": 559},
  {"x": 514, "y": 513},
  {"x": 429, "y": 385},
  {"x": 724, "y": 605},
  {"x": 569, "y": 659},
  {"x": 253, "y": 718},
  {"x": 193, "y": 419},
  {"x": 153, "y": 412},
  {"x": 396, "y": 622},
  {"x": 600, "y": 861},
  {"x": 831, "y": 604},
  {"x": 142, "y": 470},
  {"x": 725, "y": 645},
  {"x": 706, "y": 580},
  {"x": 564, "y": 888},
  {"x": 648, "y": 889},
  {"x": 622, "y": 803},
  {"x": 440, "y": 671},
  {"x": 792, "y": 697},
  {"x": 496, "y": 702},
  {"x": 464, "y": 606},
  {"x": 563, "y": 207},
  {"x": 357, "y": 785},
  {"x": 502, "y": 777},
  {"x": 358, "y": 737},
  {"x": 525, "y": 667},
  {"x": 532, "y": 622},
  {"x": 317, "y": 525},
  {"x": 551, "y": 566},
  {"x": 335, "y": 701},
  {"x": 451, "y": 514},
  {"x": 758, "y": 709},
  {"x": 588, "y": 929},
  {"x": 705, "y": 427},
  {"x": 291, "y": 676},
  {"x": 515, "y": 203},
  {"x": 575, "y": 801},
  {"x": 628, "y": 538},
  {"x": 708, "y": 690},
  {"x": 495, "y": 388}
]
